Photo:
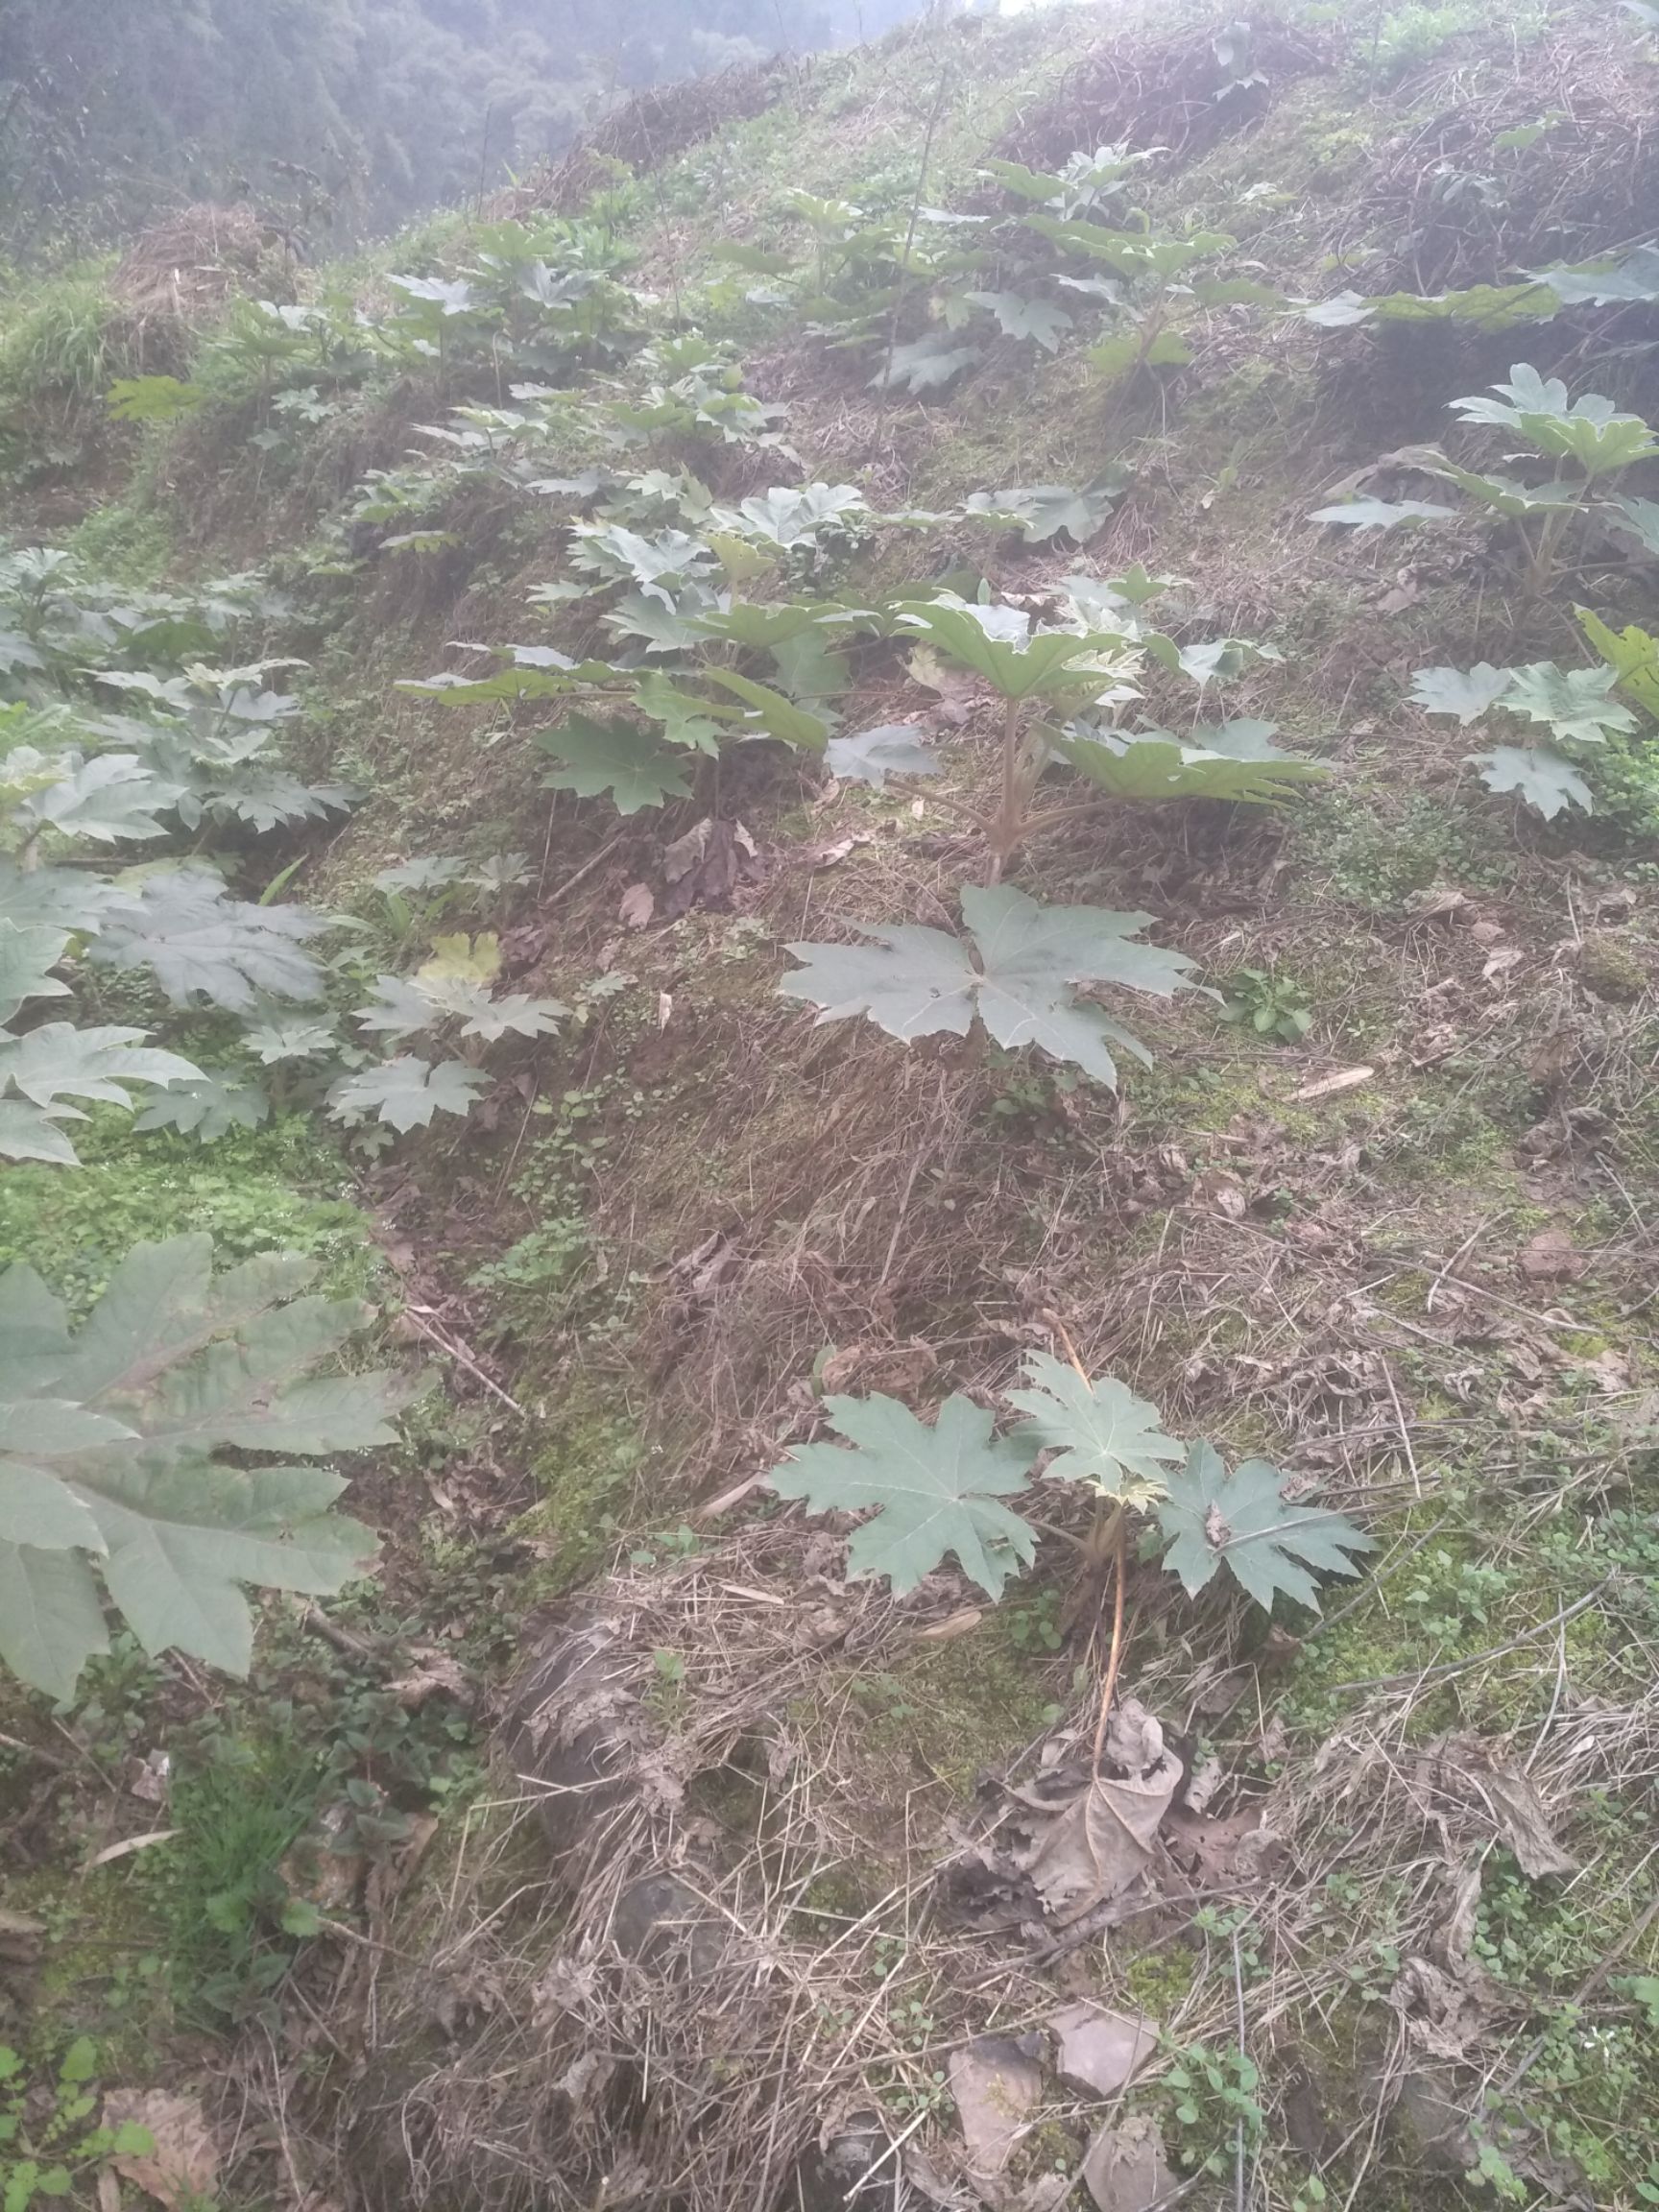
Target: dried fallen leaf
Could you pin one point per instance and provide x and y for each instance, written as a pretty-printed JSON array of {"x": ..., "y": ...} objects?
[
  {"x": 129, "y": 1844},
  {"x": 1225, "y": 1193},
  {"x": 639, "y": 904},
  {"x": 1328, "y": 1086},
  {"x": 826, "y": 856},
  {"x": 1440, "y": 905},
  {"x": 706, "y": 864},
  {"x": 1233, "y": 1847},
  {"x": 1464, "y": 1768},
  {"x": 1611, "y": 1370},
  {"x": 955, "y": 1624},
  {"x": 21, "y": 1939},
  {"x": 1552, "y": 1256},
  {"x": 1102, "y": 2052},
  {"x": 995, "y": 2086},
  {"x": 436, "y": 1675},
  {"x": 184, "y": 2162},
  {"x": 897, "y": 1370},
  {"x": 1102, "y": 1840},
  {"x": 1124, "y": 2170}
]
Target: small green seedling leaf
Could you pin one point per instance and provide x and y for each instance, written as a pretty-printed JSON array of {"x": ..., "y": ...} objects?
[
  {"x": 1242, "y": 1521},
  {"x": 936, "y": 1491}
]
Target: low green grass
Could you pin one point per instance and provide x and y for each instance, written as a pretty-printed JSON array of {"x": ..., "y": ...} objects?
[{"x": 278, "y": 1189}]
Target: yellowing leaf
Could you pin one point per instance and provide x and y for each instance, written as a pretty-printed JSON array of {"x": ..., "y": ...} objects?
[{"x": 463, "y": 958}]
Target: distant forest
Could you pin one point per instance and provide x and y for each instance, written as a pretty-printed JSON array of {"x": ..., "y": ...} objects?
[{"x": 373, "y": 109}]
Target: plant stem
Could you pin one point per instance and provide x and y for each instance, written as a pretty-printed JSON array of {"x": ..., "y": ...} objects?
[
  {"x": 1006, "y": 828},
  {"x": 1115, "y": 1656},
  {"x": 1120, "y": 1531},
  {"x": 910, "y": 243}
]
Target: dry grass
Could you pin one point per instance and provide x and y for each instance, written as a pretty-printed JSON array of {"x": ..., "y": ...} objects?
[
  {"x": 677, "y": 2016},
  {"x": 659, "y": 1971},
  {"x": 645, "y": 133},
  {"x": 177, "y": 273},
  {"x": 1587, "y": 187},
  {"x": 1144, "y": 91}
]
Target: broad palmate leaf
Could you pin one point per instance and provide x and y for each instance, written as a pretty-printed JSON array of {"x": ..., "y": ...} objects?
[
  {"x": 1237, "y": 761},
  {"x": 56, "y": 1061},
  {"x": 1018, "y": 317},
  {"x": 204, "y": 946},
  {"x": 1103, "y": 1434},
  {"x": 406, "y": 1093},
  {"x": 893, "y": 749},
  {"x": 1632, "y": 654},
  {"x": 1466, "y": 692},
  {"x": 1590, "y": 431},
  {"x": 1381, "y": 514},
  {"x": 110, "y": 797},
  {"x": 1000, "y": 644},
  {"x": 926, "y": 366},
  {"x": 1042, "y": 511},
  {"x": 207, "y": 1109},
  {"x": 1242, "y": 1521},
  {"x": 916, "y": 982},
  {"x": 937, "y": 1490},
  {"x": 1506, "y": 494},
  {"x": 1574, "y": 701},
  {"x": 633, "y": 765},
  {"x": 108, "y": 1448},
  {"x": 1543, "y": 778},
  {"x": 27, "y": 958}
]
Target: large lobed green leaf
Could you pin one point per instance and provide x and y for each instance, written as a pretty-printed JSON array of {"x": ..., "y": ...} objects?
[
  {"x": 999, "y": 645},
  {"x": 1100, "y": 1432},
  {"x": 1236, "y": 762},
  {"x": 204, "y": 946},
  {"x": 935, "y": 1490},
  {"x": 1243, "y": 1522},
  {"x": 108, "y": 1451},
  {"x": 1631, "y": 653},
  {"x": 917, "y": 982},
  {"x": 1544, "y": 778},
  {"x": 636, "y": 768}
]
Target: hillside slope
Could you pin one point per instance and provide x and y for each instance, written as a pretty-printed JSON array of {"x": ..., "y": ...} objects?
[{"x": 1110, "y": 559}]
